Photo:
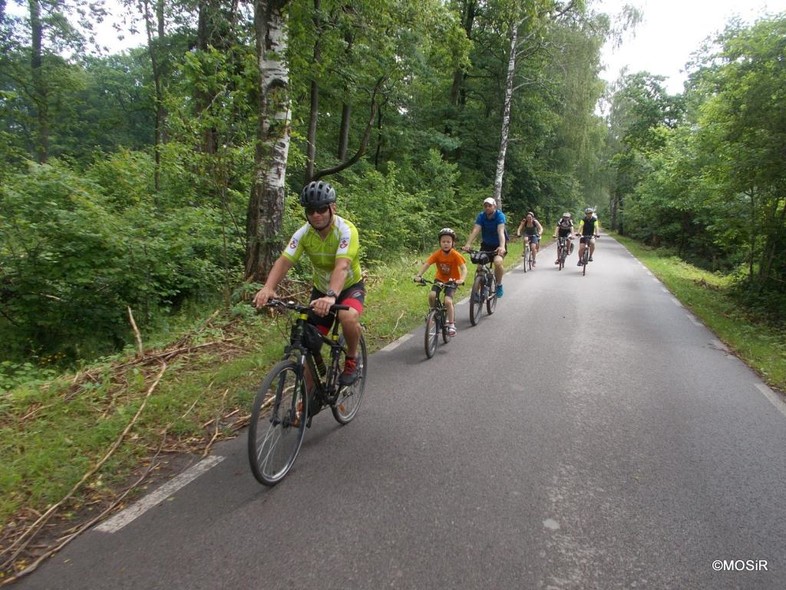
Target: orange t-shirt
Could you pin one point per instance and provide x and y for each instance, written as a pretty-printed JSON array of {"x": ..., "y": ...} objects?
[{"x": 447, "y": 264}]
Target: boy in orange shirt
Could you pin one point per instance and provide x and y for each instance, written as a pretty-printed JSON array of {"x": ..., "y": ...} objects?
[{"x": 450, "y": 267}]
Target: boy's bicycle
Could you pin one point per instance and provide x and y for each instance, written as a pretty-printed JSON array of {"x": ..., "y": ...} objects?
[
  {"x": 437, "y": 317},
  {"x": 282, "y": 410},
  {"x": 484, "y": 287}
]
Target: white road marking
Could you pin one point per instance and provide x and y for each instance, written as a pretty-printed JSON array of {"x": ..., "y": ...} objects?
[
  {"x": 396, "y": 343},
  {"x": 121, "y": 519},
  {"x": 775, "y": 400}
]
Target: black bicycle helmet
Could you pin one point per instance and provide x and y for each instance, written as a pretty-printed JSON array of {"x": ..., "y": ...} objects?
[
  {"x": 446, "y": 231},
  {"x": 317, "y": 194}
]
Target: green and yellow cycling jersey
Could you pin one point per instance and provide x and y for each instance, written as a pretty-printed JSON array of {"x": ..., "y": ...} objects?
[{"x": 341, "y": 242}]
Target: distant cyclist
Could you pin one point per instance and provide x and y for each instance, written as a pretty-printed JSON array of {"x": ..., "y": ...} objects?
[
  {"x": 533, "y": 230},
  {"x": 564, "y": 229},
  {"x": 589, "y": 229},
  {"x": 450, "y": 266},
  {"x": 490, "y": 223},
  {"x": 331, "y": 243}
]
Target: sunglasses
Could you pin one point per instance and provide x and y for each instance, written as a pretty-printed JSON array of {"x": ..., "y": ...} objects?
[{"x": 321, "y": 210}]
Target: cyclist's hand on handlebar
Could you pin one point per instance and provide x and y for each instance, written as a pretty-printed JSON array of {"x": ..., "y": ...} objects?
[
  {"x": 465, "y": 248},
  {"x": 262, "y": 297},
  {"x": 418, "y": 279},
  {"x": 322, "y": 305}
]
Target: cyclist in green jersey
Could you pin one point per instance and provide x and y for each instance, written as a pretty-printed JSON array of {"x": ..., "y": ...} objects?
[
  {"x": 589, "y": 229},
  {"x": 331, "y": 244}
]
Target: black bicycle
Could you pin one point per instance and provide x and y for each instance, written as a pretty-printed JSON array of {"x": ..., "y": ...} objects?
[
  {"x": 484, "y": 286},
  {"x": 282, "y": 408},
  {"x": 529, "y": 253},
  {"x": 437, "y": 317},
  {"x": 585, "y": 257},
  {"x": 563, "y": 249}
]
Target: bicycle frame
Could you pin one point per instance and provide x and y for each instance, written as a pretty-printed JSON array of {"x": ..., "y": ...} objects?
[
  {"x": 289, "y": 397},
  {"x": 437, "y": 317},
  {"x": 483, "y": 287},
  {"x": 563, "y": 247}
]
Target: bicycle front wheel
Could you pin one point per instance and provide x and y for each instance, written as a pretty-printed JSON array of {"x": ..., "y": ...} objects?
[
  {"x": 432, "y": 333},
  {"x": 349, "y": 398},
  {"x": 491, "y": 300},
  {"x": 278, "y": 423},
  {"x": 476, "y": 301},
  {"x": 585, "y": 259},
  {"x": 443, "y": 324}
]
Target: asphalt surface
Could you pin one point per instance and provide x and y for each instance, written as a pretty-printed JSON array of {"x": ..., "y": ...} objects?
[{"x": 590, "y": 434}]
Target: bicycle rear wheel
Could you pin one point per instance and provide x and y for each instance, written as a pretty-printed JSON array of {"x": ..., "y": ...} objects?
[
  {"x": 491, "y": 300},
  {"x": 432, "y": 332},
  {"x": 476, "y": 301},
  {"x": 278, "y": 423},
  {"x": 562, "y": 253},
  {"x": 349, "y": 398}
]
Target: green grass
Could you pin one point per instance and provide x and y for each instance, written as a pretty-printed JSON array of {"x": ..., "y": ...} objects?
[{"x": 760, "y": 345}]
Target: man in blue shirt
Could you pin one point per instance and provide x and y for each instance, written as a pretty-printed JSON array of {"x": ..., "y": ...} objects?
[{"x": 490, "y": 224}]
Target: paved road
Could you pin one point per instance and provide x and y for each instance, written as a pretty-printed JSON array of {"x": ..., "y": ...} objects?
[{"x": 590, "y": 434}]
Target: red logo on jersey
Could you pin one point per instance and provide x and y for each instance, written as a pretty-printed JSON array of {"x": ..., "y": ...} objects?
[
  {"x": 293, "y": 244},
  {"x": 344, "y": 243}
]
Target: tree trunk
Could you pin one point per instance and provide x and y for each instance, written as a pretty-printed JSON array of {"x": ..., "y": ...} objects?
[
  {"x": 155, "y": 29},
  {"x": 40, "y": 92},
  {"x": 457, "y": 95},
  {"x": 504, "y": 135},
  {"x": 313, "y": 118},
  {"x": 266, "y": 203}
]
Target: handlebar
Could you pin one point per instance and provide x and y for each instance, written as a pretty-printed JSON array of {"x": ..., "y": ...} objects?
[
  {"x": 299, "y": 307},
  {"x": 423, "y": 282}
]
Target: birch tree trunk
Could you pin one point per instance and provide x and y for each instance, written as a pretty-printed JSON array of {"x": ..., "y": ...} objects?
[
  {"x": 266, "y": 204},
  {"x": 504, "y": 135}
]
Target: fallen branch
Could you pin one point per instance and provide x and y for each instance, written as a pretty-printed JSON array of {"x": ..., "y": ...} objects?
[
  {"x": 140, "y": 350},
  {"x": 25, "y": 538},
  {"x": 75, "y": 532},
  {"x": 209, "y": 445}
]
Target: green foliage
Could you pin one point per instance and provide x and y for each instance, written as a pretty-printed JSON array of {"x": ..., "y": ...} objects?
[
  {"x": 72, "y": 260},
  {"x": 709, "y": 183}
]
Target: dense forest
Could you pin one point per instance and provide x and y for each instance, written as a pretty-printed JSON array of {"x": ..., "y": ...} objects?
[{"x": 150, "y": 180}]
